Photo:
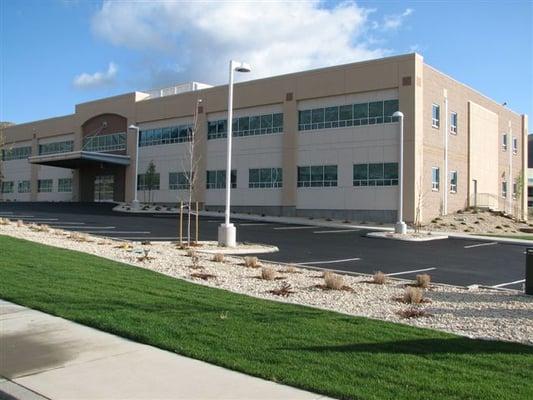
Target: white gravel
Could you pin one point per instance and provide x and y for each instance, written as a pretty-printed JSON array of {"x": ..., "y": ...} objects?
[{"x": 479, "y": 313}]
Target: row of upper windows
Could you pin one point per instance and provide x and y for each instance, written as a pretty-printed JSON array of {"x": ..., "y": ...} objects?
[
  {"x": 43, "y": 186},
  {"x": 111, "y": 142},
  {"x": 246, "y": 126},
  {"x": 56, "y": 147},
  {"x": 505, "y": 140},
  {"x": 371, "y": 174},
  {"x": 16, "y": 153},
  {"x": 435, "y": 119},
  {"x": 167, "y": 135}
]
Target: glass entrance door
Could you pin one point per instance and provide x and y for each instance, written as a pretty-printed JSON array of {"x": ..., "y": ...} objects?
[{"x": 104, "y": 188}]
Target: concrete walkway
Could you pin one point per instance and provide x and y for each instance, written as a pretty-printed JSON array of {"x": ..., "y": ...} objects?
[{"x": 46, "y": 357}]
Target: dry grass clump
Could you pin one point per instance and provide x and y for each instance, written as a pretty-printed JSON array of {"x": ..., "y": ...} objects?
[
  {"x": 284, "y": 291},
  {"x": 20, "y": 223},
  {"x": 195, "y": 262},
  {"x": 333, "y": 281},
  {"x": 218, "y": 257},
  {"x": 413, "y": 312},
  {"x": 190, "y": 253},
  {"x": 78, "y": 237},
  {"x": 4, "y": 221},
  {"x": 203, "y": 276},
  {"x": 146, "y": 243},
  {"x": 146, "y": 256},
  {"x": 291, "y": 269},
  {"x": 123, "y": 246},
  {"x": 268, "y": 273},
  {"x": 251, "y": 262},
  {"x": 379, "y": 278},
  {"x": 413, "y": 295},
  {"x": 423, "y": 281}
]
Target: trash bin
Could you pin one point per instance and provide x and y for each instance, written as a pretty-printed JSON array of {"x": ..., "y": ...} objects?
[{"x": 529, "y": 271}]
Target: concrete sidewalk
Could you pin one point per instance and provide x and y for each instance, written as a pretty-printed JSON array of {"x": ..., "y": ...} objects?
[{"x": 46, "y": 357}]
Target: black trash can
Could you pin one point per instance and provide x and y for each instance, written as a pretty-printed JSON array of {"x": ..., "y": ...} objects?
[{"x": 529, "y": 271}]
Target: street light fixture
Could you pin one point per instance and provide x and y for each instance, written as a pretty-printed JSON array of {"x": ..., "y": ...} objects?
[
  {"x": 135, "y": 202},
  {"x": 400, "y": 226},
  {"x": 227, "y": 233}
]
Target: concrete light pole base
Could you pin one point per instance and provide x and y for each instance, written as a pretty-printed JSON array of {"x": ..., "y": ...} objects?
[
  {"x": 400, "y": 227},
  {"x": 227, "y": 235},
  {"x": 135, "y": 205}
]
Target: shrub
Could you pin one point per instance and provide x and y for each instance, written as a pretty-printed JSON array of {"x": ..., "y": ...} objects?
[
  {"x": 333, "y": 281},
  {"x": 4, "y": 221},
  {"x": 379, "y": 277},
  {"x": 218, "y": 257},
  {"x": 498, "y": 227},
  {"x": 195, "y": 262},
  {"x": 413, "y": 312},
  {"x": 20, "y": 223},
  {"x": 251, "y": 262},
  {"x": 291, "y": 270},
  {"x": 413, "y": 295},
  {"x": 145, "y": 256},
  {"x": 203, "y": 276},
  {"x": 423, "y": 280},
  {"x": 285, "y": 290},
  {"x": 190, "y": 253},
  {"x": 268, "y": 273}
]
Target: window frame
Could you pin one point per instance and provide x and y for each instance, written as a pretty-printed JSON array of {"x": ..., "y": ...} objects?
[
  {"x": 505, "y": 142},
  {"x": 514, "y": 142},
  {"x": 40, "y": 184},
  {"x": 503, "y": 189},
  {"x": 61, "y": 188},
  {"x": 453, "y": 127},
  {"x": 320, "y": 172},
  {"x": 435, "y": 184},
  {"x": 435, "y": 121},
  {"x": 453, "y": 186}
]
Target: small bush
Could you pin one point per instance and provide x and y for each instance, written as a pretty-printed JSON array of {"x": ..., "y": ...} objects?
[
  {"x": 285, "y": 290},
  {"x": 218, "y": 257},
  {"x": 413, "y": 295},
  {"x": 195, "y": 262},
  {"x": 413, "y": 312},
  {"x": 423, "y": 280},
  {"x": 291, "y": 270},
  {"x": 145, "y": 256},
  {"x": 498, "y": 227},
  {"x": 333, "y": 281},
  {"x": 124, "y": 246},
  {"x": 4, "y": 221},
  {"x": 190, "y": 253},
  {"x": 203, "y": 276},
  {"x": 379, "y": 278},
  {"x": 268, "y": 273},
  {"x": 251, "y": 262},
  {"x": 20, "y": 223}
]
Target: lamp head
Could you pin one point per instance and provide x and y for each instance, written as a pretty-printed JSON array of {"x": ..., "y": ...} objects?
[
  {"x": 398, "y": 114},
  {"x": 242, "y": 67},
  {"x": 133, "y": 127}
]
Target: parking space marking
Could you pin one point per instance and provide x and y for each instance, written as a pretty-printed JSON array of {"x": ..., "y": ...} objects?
[
  {"x": 66, "y": 223},
  {"x": 339, "y": 231},
  {"x": 508, "y": 283},
  {"x": 75, "y": 227},
  {"x": 31, "y": 218},
  {"x": 286, "y": 228},
  {"x": 20, "y": 216},
  {"x": 411, "y": 272},
  {"x": 122, "y": 232},
  {"x": 152, "y": 238},
  {"x": 480, "y": 244},
  {"x": 327, "y": 261},
  {"x": 255, "y": 224}
]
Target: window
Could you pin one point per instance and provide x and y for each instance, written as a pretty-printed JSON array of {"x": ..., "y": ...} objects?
[
  {"x": 64, "y": 185},
  {"x": 16, "y": 153},
  {"x": 7, "y": 186},
  {"x": 453, "y": 123},
  {"x": 435, "y": 178},
  {"x": 112, "y": 142},
  {"x": 44, "y": 185},
  {"x": 24, "y": 186},
  {"x": 265, "y": 178},
  {"x": 317, "y": 176},
  {"x": 453, "y": 182},
  {"x": 515, "y": 145},
  {"x": 148, "y": 184},
  {"x": 504, "y": 142},
  {"x": 504, "y": 189},
  {"x": 376, "y": 112},
  {"x": 515, "y": 190},
  {"x": 166, "y": 135},
  {"x": 246, "y": 126},
  {"x": 178, "y": 181},
  {"x": 56, "y": 147},
  {"x": 375, "y": 174},
  {"x": 217, "y": 179},
  {"x": 435, "y": 116}
]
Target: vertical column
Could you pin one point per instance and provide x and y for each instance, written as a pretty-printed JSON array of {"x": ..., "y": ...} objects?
[
  {"x": 34, "y": 168},
  {"x": 525, "y": 177},
  {"x": 289, "y": 154}
]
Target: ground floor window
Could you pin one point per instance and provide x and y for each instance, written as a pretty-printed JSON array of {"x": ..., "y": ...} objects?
[
  {"x": 7, "y": 186},
  {"x": 375, "y": 174},
  {"x": 504, "y": 189},
  {"x": 178, "y": 181},
  {"x": 64, "y": 185},
  {"x": 435, "y": 179},
  {"x": 453, "y": 182},
  {"x": 265, "y": 178},
  {"x": 45, "y": 185},
  {"x": 216, "y": 179},
  {"x": 317, "y": 176},
  {"x": 24, "y": 186},
  {"x": 515, "y": 190},
  {"x": 148, "y": 182}
]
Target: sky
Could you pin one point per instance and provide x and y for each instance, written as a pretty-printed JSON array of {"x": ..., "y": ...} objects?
[{"x": 58, "y": 53}]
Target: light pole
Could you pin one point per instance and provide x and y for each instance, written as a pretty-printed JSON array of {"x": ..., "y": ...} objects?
[
  {"x": 400, "y": 226},
  {"x": 135, "y": 202},
  {"x": 227, "y": 234}
]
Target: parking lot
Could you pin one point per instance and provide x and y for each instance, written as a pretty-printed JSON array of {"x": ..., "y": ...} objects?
[{"x": 452, "y": 261}]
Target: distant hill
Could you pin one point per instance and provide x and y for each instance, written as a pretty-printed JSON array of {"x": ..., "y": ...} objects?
[{"x": 5, "y": 124}]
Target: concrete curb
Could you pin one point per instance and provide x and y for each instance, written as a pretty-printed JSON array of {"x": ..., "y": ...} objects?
[{"x": 389, "y": 236}]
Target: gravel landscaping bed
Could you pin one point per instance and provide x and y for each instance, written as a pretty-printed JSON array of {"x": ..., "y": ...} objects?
[{"x": 478, "y": 313}]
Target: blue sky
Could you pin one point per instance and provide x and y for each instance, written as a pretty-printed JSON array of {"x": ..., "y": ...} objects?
[{"x": 55, "y": 54}]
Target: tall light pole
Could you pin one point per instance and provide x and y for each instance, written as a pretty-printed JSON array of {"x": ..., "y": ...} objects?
[
  {"x": 135, "y": 202},
  {"x": 227, "y": 234},
  {"x": 400, "y": 226}
]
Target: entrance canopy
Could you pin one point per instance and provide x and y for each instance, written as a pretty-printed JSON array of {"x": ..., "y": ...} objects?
[{"x": 78, "y": 159}]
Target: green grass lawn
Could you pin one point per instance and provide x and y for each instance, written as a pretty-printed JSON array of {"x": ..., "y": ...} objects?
[
  {"x": 517, "y": 236},
  {"x": 325, "y": 352}
]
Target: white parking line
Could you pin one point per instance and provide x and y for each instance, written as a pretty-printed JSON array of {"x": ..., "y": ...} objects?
[
  {"x": 19, "y": 216},
  {"x": 256, "y": 224},
  {"x": 411, "y": 272},
  {"x": 66, "y": 223},
  {"x": 508, "y": 283},
  {"x": 115, "y": 232},
  {"x": 31, "y": 218},
  {"x": 327, "y": 261},
  {"x": 75, "y": 227},
  {"x": 282, "y": 228},
  {"x": 152, "y": 238},
  {"x": 480, "y": 244},
  {"x": 339, "y": 231}
]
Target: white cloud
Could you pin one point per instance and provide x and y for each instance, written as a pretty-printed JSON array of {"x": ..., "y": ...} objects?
[
  {"x": 98, "y": 79},
  {"x": 275, "y": 37},
  {"x": 393, "y": 22}
]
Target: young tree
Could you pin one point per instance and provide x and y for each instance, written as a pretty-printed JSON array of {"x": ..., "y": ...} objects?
[
  {"x": 190, "y": 167},
  {"x": 151, "y": 180},
  {"x": 3, "y": 149}
]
